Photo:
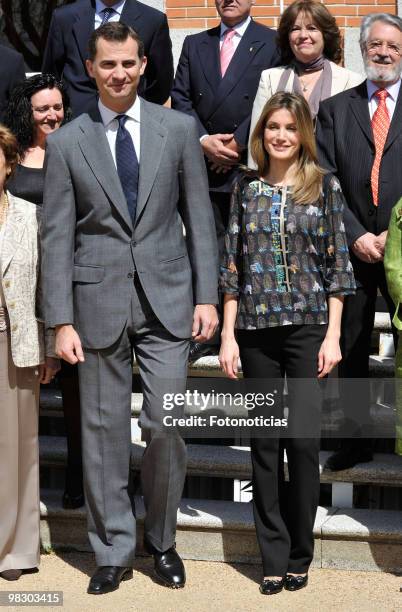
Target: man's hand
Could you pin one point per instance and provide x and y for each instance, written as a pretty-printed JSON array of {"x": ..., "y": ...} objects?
[
  {"x": 380, "y": 242},
  {"x": 233, "y": 146},
  {"x": 366, "y": 248},
  {"x": 48, "y": 370},
  {"x": 68, "y": 344},
  {"x": 205, "y": 322},
  {"x": 218, "y": 152}
]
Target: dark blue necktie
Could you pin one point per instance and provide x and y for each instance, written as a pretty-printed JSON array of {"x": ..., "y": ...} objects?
[
  {"x": 127, "y": 165},
  {"x": 107, "y": 13}
]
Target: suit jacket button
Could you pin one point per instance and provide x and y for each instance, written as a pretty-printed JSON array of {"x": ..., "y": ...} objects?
[
  {"x": 371, "y": 213},
  {"x": 134, "y": 244},
  {"x": 130, "y": 275},
  {"x": 246, "y": 97}
]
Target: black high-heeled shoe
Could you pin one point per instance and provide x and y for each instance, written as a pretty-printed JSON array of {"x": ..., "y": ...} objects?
[
  {"x": 294, "y": 583},
  {"x": 71, "y": 502},
  {"x": 271, "y": 587}
]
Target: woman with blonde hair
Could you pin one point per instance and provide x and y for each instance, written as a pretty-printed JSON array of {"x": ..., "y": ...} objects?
[
  {"x": 310, "y": 44},
  {"x": 27, "y": 359},
  {"x": 285, "y": 272}
]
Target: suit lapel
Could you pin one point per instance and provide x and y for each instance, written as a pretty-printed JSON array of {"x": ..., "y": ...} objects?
[
  {"x": 153, "y": 138},
  {"x": 396, "y": 124},
  {"x": 14, "y": 230},
  {"x": 208, "y": 52},
  {"x": 247, "y": 49},
  {"x": 95, "y": 148},
  {"x": 83, "y": 27},
  {"x": 360, "y": 109},
  {"x": 130, "y": 13}
]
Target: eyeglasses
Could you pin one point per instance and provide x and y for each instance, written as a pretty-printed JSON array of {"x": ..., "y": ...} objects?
[{"x": 374, "y": 46}]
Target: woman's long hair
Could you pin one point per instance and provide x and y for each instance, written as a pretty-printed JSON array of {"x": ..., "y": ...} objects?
[
  {"x": 322, "y": 19},
  {"x": 19, "y": 115},
  {"x": 308, "y": 177}
]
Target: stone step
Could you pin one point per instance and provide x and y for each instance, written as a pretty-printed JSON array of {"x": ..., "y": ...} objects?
[
  {"x": 379, "y": 367},
  {"x": 234, "y": 462},
  {"x": 211, "y": 530},
  {"x": 51, "y": 402}
]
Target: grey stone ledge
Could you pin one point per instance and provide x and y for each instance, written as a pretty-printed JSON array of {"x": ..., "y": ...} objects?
[
  {"x": 361, "y": 524},
  {"x": 234, "y": 462}
]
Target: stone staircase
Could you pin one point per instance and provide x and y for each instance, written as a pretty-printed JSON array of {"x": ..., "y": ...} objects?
[{"x": 222, "y": 529}]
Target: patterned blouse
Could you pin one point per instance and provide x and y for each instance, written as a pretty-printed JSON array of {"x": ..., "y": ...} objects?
[{"x": 282, "y": 259}]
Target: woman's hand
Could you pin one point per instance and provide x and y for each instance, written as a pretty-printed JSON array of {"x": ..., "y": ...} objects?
[
  {"x": 48, "y": 370},
  {"x": 229, "y": 356},
  {"x": 329, "y": 355}
]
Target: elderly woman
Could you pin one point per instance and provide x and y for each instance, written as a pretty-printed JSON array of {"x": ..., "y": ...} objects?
[
  {"x": 393, "y": 271},
  {"x": 23, "y": 366},
  {"x": 38, "y": 107},
  {"x": 310, "y": 42},
  {"x": 285, "y": 272}
]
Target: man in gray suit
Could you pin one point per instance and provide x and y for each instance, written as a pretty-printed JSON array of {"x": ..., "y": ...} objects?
[{"x": 118, "y": 274}]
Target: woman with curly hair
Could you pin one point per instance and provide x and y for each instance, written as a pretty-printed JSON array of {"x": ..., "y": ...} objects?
[
  {"x": 37, "y": 107},
  {"x": 310, "y": 45}
]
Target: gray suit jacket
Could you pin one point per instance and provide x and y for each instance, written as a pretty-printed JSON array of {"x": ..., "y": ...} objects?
[{"x": 90, "y": 247}]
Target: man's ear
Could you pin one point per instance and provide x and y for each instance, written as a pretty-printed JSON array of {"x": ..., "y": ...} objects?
[
  {"x": 88, "y": 64},
  {"x": 143, "y": 65}
]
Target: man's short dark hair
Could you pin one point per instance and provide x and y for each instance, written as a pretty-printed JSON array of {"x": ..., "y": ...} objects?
[{"x": 114, "y": 31}]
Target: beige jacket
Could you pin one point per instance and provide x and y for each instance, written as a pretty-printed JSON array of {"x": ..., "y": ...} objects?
[
  {"x": 20, "y": 267},
  {"x": 342, "y": 79}
]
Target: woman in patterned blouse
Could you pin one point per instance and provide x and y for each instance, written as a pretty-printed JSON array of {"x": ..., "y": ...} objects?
[{"x": 285, "y": 273}]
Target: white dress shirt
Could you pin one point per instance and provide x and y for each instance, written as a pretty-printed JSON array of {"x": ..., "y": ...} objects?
[
  {"x": 132, "y": 125},
  {"x": 239, "y": 29},
  {"x": 390, "y": 100},
  {"x": 99, "y": 6}
]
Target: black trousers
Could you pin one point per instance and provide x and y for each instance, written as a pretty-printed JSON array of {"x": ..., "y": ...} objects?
[
  {"x": 72, "y": 418},
  {"x": 357, "y": 326},
  {"x": 284, "y": 512}
]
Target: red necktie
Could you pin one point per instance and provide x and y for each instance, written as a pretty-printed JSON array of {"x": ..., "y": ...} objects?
[
  {"x": 227, "y": 50},
  {"x": 380, "y": 125}
]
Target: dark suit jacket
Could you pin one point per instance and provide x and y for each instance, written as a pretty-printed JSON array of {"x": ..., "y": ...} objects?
[
  {"x": 67, "y": 49},
  {"x": 222, "y": 105},
  {"x": 12, "y": 71},
  {"x": 90, "y": 245},
  {"x": 346, "y": 148}
]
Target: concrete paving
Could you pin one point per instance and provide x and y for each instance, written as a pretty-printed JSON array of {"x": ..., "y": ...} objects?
[{"x": 211, "y": 587}]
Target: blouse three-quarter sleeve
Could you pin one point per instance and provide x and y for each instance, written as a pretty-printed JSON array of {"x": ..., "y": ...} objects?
[
  {"x": 338, "y": 276},
  {"x": 231, "y": 264},
  {"x": 393, "y": 262}
]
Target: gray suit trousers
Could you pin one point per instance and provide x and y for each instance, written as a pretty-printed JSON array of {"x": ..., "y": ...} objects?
[{"x": 105, "y": 389}]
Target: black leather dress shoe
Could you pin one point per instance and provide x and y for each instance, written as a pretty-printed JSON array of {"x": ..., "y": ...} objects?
[
  {"x": 169, "y": 568},
  {"x": 271, "y": 587},
  {"x": 294, "y": 583},
  {"x": 108, "y": 578},
  {"x": 198, "y": 350},
  {"x": 347, "y": 458},
  {"x": 70, "y": 502}
]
